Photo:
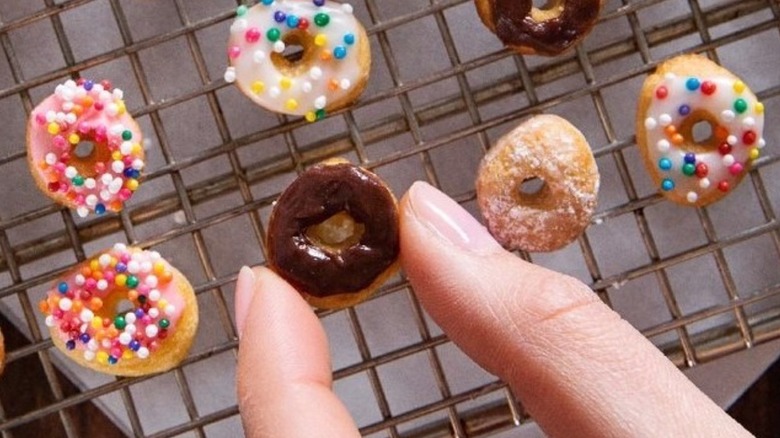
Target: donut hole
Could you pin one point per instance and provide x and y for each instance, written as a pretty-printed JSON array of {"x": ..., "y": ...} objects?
[
  {"x": 532, "y": 191},
  {"x": 293, "y": 53},
  {"x": 531, "y": 186},
  {"x": 86, "y": 154},
  {"x": 543, "y": 4},
  {"x": 701, "y": 132},
  {"x": 84, "y": 149},
  {"x": 114, "y": 304},
  {"x": 123, "y": 306},
  {"x": 298, "y": 54},
  {"x": 338, "y": 232},
  {"x": 544, "y": 10}
]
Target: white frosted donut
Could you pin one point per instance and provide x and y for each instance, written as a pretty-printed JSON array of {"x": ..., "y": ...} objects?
[
  {"x": 333, "y": 66},
  {"x": 686, "y": 91}
]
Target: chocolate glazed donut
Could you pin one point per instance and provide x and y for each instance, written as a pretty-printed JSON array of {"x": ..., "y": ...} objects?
[
  {"x": 535, "y": 31},
  {"x": 334, "y": 234}
]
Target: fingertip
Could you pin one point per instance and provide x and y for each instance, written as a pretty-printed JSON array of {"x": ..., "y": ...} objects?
[
  {"x": 284, "y": 373},
  {"x": 255, "y": 281},
  {"x": 269, "y": 289},
  {"x": 245, "y": 289},
  {"x": 266, "y": 279},
  {"x": 282, "y": 338}
]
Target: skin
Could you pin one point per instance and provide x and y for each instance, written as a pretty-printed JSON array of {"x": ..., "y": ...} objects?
[{"x": 578, "y": 368}]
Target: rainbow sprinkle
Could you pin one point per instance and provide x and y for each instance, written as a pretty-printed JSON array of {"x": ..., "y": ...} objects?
[
  {"x": 736, "y": 119},
  {"x": 82, "y": 307},
  {"x": 85, "y": 111},
  {"x": 258, "y": 37}
]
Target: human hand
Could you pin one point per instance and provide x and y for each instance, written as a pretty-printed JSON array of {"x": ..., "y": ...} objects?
[{"x": 578, "y": 368}]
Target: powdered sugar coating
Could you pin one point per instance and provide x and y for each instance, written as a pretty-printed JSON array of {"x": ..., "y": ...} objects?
[{"x": 551, "y": 149}]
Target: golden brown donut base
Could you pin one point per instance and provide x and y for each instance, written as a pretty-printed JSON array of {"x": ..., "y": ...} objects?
[
  {"x": 341, "y": 301},
  {"x": 486, "y": 14},
  {"x": 549, "y": 148},
  {"x": 683, "y": 65},
  {"x": 172, "y": 351},
  {"x": 85, "y": 166},
  {"x": 335, "y": 302},
  {"x": 364, "y": 60}
]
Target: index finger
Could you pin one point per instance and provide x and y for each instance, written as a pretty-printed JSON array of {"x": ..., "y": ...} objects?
[{"x": 578, "y": 368}]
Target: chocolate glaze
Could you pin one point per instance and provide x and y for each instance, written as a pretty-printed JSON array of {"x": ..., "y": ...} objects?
[
  {"x": 515, "y": 27},
  {"x": 319, "y": 193}
]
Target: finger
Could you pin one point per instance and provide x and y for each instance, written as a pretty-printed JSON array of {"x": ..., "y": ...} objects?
[
  {"x": 284, "y": 374},
  {"x": 579, "y": 369}
]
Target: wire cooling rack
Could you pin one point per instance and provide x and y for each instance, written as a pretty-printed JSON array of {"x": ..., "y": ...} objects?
[{"x": 700, "y": 284}]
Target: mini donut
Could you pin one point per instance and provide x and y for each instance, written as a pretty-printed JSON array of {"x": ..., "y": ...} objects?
[
  {"x": 126, "y": 312},
  {"x": 550, "y": 149},
  {"x": 545, "y": 31},
  {"x": 85, "y": 112},
  {"x": 686, "y": 91},
  {"x": 331, "y": 71},
  {"x": 334, "y": 234}
]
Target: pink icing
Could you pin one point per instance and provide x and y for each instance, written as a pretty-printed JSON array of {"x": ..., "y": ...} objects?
[
  {"x": 85, "y": 309},
  {"x": 86, "y": 112}
]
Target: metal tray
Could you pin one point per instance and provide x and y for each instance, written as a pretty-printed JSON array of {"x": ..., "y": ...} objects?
[{"x": 701, "y": 284}]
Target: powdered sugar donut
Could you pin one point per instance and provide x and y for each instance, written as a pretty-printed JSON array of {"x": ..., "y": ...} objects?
[
  {"x": 89, "y": 112},
  {"x": 329, "y": 73},
  {"x": 683, "y": 92},
  {"x": 549, "y": 149},
  {"x": 125, "y": 311}
]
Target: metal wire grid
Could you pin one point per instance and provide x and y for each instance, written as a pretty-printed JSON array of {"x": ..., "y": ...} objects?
[{"x": 688, "y": 352}]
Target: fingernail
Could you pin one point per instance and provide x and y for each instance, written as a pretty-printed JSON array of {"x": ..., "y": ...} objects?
[
  {"x": 245, "y": 288},
  {"x": 448, "y": 220}
]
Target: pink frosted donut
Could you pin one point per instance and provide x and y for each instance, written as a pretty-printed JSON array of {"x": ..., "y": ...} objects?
[
  {"x": 85, "y": 112},
  {"x": 125, "y": 311}
]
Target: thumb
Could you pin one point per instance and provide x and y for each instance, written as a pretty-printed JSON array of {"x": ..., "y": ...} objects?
[
  {"x": 578, "y": 368},
  {"x": 284, "y": 375}
]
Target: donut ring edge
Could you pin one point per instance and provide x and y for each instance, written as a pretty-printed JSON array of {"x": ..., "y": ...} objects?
[
  {"x": 681, "y": 65},
  {"x": 344, "y": 300},
  {"x": 175, "y": 349},
  {"x": 564, "y": 211},
  {"x": 486, "y": 15}
]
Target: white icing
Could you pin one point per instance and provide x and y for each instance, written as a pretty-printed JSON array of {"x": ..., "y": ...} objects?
[
  {"x": 296, "y": 91},
  {"x": 722, "y": 166}
]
